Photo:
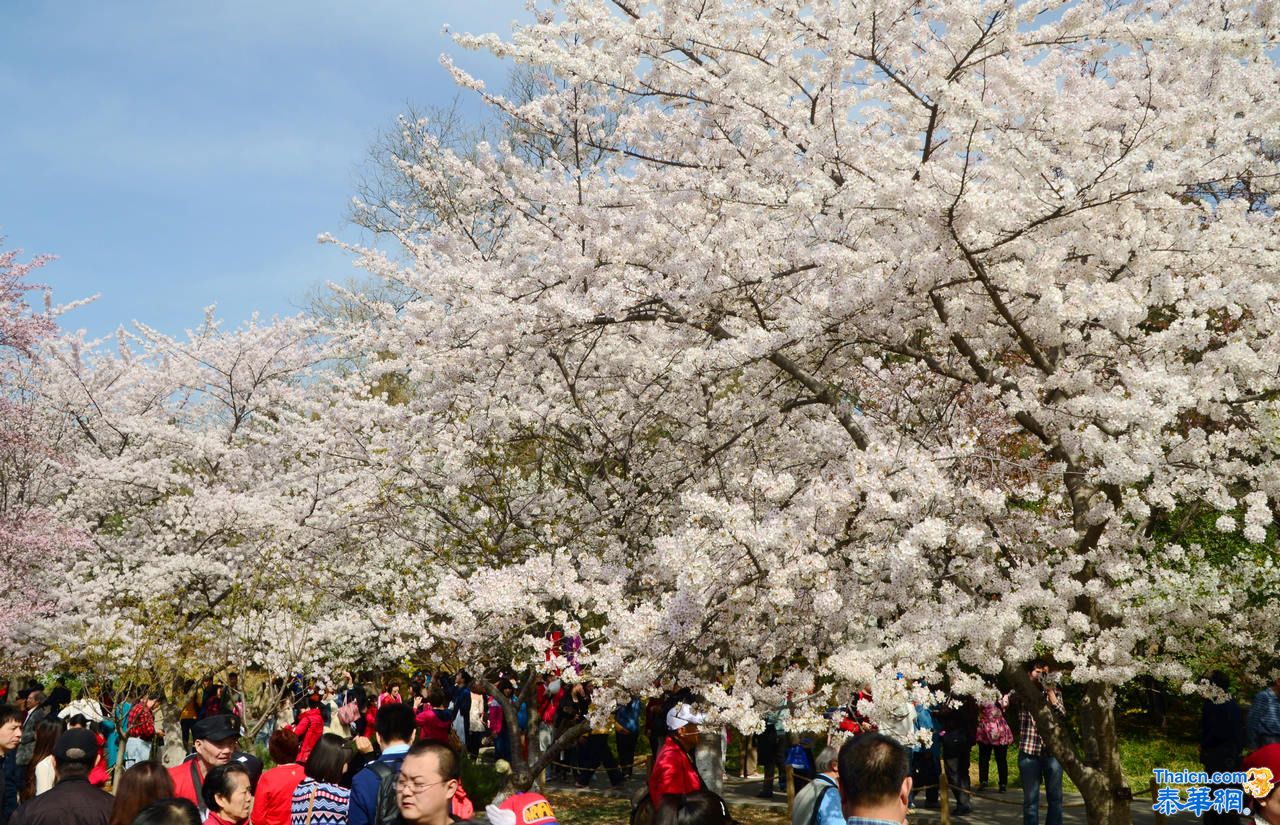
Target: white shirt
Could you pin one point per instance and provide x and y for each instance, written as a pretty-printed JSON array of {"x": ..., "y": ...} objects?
[{"x": 46, "y": 776}]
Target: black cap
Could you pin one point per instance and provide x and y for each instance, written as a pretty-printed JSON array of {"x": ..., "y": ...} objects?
[
  {"x": 216, "y": 728},
  {"x": 76, "y": 745}
]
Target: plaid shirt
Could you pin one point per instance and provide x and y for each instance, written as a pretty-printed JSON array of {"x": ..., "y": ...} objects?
[
  {"x": 1263, "y": 726},
  {"x": 141, "y": 722},
  {"x": 862, "y": 820},
  {"x": 1029, "y": 740}
]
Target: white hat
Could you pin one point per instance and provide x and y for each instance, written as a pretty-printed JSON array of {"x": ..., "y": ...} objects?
[
  {"x": 681, "y": 715},
  {"x": 87, "y": 708}
]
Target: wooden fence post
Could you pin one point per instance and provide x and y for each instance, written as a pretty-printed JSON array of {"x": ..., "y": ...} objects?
[
  {"x": 944, "y": 796},
  {"x": 791, "y": 790}
]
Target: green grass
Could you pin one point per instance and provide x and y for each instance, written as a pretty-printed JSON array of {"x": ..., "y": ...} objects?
[{"x": 1143, "y": 748}]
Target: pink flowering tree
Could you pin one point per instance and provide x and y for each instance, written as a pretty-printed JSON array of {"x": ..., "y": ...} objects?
[
  {"x": 32, "y": 445},
  {"x": 875, "y": 337}
]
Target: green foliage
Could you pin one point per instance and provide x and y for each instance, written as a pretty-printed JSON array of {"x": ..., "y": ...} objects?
[
  {"x": 260, "y": 750},
  {"x": 1196, "y": 526},
  {"x": 481, "y": 781}
]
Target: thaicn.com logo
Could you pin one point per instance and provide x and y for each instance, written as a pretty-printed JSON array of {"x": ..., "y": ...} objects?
[{"x": 1226, "y": 792}]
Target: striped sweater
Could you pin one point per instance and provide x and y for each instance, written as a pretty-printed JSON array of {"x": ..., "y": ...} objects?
[{"x": 319, "y": 803}]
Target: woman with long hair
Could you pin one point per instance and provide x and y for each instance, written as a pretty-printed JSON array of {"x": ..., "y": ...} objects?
[
  {"x": 140, "y": 785},
  {"x": 40, "y": 770},
  {"x": 319, "y": 799}
]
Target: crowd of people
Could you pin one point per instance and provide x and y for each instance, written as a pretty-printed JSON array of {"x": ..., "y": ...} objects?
[
  {"x": 399, "y": 781},
  {"x": 364, "y": 755},
  {"x": 339, "y": 751},
  {"x": 349, "y": 753}
]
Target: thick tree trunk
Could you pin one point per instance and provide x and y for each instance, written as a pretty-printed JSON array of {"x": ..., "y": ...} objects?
[
  {"x": 1095, "y": 769},
  {"x": 708, "y": 757},
  {"x": 169, "y": 724}
]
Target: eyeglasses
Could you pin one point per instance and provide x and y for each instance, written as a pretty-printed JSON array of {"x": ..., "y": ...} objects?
[{"x": 415, "y": 786}]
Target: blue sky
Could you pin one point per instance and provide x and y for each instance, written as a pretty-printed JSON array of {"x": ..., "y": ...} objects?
[{"x": 176, "y": 155}]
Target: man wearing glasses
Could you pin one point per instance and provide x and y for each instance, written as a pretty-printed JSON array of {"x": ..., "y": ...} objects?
[{"x": 427, "y": 783}]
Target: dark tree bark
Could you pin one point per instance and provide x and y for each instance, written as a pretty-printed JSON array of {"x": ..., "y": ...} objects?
[{"x": 523, "y": 773}]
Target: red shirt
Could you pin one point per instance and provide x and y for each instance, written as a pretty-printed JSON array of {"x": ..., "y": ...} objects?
[
  {"x": 99, "y": 775},
  {"x": 217, "y": 819},
  {"x": 673, "y": 772},
  {"x": 275, "y": 795},
  {"x": 181, "y": 776}
]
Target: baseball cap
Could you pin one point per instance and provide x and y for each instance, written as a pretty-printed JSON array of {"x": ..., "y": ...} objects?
[
  {"x": 252, "y": 764},
  {"x": 76, "y": 745},
  {"x": 681, "y": 715},
  {"x": 521, "y": 809}
]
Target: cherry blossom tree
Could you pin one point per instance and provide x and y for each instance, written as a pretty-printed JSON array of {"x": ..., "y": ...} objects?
[
  {"x": 874, "y": 337},
  {"x": 203, "y": 479},
  {"x": 32, "y": 445}
]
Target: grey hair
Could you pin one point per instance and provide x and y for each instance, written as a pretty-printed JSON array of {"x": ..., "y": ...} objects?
[{"x": 826, "y": 756}]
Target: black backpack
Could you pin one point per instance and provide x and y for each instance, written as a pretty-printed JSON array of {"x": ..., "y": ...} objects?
[
  {"x": 386, "y": 811},
  {"x": 641, "y": 806},
  {"x": 817, "y": 803}
]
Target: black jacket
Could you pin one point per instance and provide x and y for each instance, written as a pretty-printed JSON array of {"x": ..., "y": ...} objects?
[{"x": 72, "y": 801}]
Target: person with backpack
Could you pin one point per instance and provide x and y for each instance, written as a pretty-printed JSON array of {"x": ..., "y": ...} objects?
[
  {"x": 373, "y": 789},
  {"x": 818, "y": 802}
]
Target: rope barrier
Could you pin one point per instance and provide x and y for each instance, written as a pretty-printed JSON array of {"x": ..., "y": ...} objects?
[{"x": 637, "y": 761}]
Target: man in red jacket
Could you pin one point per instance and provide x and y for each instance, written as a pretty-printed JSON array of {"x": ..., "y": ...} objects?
[
  {"x": 216, "y": 738},
  {"x": 673, "y": 771}
]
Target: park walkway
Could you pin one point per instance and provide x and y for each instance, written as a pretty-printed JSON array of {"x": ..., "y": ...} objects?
[{"x": 991, "y": 809}]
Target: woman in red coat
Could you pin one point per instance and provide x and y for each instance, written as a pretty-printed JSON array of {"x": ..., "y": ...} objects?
[
  {"x": 309, "y": 727},
  {"x": 433, "y": 717}
]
